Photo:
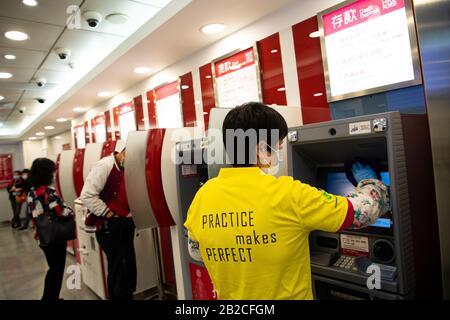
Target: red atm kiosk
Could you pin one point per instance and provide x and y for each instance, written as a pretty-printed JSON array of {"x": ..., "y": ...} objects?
[{"x": 153, "y": 198}]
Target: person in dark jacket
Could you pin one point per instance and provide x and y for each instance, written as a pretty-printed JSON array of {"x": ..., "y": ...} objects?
[
  {"x": 44, "y": 200},
  {"x": 25, "y": 188},
  {"x": 15, "y": 190}
]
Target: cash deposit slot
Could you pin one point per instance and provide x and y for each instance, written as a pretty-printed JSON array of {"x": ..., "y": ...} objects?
[{"x": 403, "y": 243}]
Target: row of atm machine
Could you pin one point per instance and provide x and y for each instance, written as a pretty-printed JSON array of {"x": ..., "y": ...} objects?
[{"x": 161, "y": 181}]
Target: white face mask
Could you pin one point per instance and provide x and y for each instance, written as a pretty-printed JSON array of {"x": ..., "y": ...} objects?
[
  {"x": 274, "y": 165},
  {"x": 25, "y": 177}
]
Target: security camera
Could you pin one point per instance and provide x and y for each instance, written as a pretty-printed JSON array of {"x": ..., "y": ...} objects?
[
  {"x": 63, "y": 53},
  {"x": 41, "y": 82},
  {"x": 93, "y": 18},
  {"x": 40, "y": 100},
  {"x": 21, "y": 110}
]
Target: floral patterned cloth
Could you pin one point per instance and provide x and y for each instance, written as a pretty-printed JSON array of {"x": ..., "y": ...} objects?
[
  {"x": 370, "y": 200},
  {"x": 45, "y": 200}
]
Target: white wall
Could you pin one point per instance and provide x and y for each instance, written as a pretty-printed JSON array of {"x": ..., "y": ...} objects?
[
  {"x": 33, "y": 150},
  {"x": 17, "y": 155},
  {"x": 55, "y": 145},
  {"x": 279, "y": 21}
]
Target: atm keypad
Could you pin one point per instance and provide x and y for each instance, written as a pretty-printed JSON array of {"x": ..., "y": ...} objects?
[{"x": 346, "y": 262}]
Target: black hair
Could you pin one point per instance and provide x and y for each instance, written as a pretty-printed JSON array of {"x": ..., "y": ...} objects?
[
  {"x": 18, "y": 171},
  {"x": 41, "y": 173},
  {"x": 265, "y": 121},
  {"x": 25, "y": 171}
]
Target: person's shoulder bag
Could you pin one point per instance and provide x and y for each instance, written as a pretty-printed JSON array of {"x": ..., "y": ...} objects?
[{"x": 53, "y": 229}]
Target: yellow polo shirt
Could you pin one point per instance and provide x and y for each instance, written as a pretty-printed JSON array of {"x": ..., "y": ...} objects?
[{"x": 253, "y": 229}]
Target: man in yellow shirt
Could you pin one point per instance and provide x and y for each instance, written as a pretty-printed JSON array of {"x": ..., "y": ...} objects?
[{"x": 251, "y": 229}]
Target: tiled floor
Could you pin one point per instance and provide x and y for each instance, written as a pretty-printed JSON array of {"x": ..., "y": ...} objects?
[{"x": 23, "y": 268}]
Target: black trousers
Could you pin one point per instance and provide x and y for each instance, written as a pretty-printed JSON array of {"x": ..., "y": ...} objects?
[
  {"x": 117, "y": 241},
  {"x": 56, "y": 260},
  {"x": 17, "y": 208}
]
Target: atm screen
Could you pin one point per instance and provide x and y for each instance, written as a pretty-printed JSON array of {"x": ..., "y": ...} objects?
[{"x": 338, "y": 184}]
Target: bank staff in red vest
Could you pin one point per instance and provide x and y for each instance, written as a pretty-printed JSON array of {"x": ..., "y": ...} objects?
[{"x": 105, "y": 197}]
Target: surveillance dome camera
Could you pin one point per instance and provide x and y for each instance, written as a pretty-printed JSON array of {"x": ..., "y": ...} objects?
[
  {"x": 92, "y": 18},
  {"x": 63, "y": 53},
  {"x": 41, "y": 82},
  {"x": 21, "y": 110},
  {"x": 40, "y": 100}
]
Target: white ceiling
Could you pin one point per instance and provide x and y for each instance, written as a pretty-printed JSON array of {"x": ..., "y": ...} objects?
[
  {"x": 160, "y": 47},
  {"x": 36, "y": 57}
]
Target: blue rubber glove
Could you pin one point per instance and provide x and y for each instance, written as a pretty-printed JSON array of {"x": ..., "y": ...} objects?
[{"x": 361, "y": 172}]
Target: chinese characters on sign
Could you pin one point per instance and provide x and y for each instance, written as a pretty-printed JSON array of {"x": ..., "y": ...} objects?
[
  {"x": 367, "y": 46},
  {"x": 237, "y": 79}
]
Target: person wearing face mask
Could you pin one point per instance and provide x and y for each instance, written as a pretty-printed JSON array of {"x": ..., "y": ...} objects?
[
  {"x": 104, "y": 195},
  {"x": 15, "y": 197},
  {"x": 251, "y": 228}
]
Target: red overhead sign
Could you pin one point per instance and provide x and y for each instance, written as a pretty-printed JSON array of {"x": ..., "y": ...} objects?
[
  {"x": 235, "y": 62},
  {"x": 358, "y": 12}
]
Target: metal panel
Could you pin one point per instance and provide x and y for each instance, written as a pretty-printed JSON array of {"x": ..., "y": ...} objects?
[
  {"x": 171, "y": 192},
  {"x": 433, "y": 28},
  {"x": 66, "y": 177},
  {"x": 135, "y": 180}
]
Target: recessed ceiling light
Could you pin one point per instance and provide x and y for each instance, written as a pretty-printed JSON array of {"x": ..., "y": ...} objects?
[
  {"x": 16, "y": 35},
  {"x": 57, "y": 137},
  {"x": 31, "y": 3},
  {"x": 274, "y": 51},
  {"x": 49, "y": 127},
  {"x": 61, "y": 120},
  {"x": 1, "y": 98},
  {"x": 212, "y": 28},
  {"x": 314, "y": 34},
  {"x": 5, "y": 75},
  {"x": 103, "y": 94},
  {"x": 9, "y": 57},
  {"x": 40, "y": 133},
  {"x": 117, "y": 18},
  {"x": 1, "y": 124},
  {"x": 32, "y": 138},
  {"x": 141, "y": 70},
  {"x": 318, "y": 94},
  {"x": 79, "y": 109}
]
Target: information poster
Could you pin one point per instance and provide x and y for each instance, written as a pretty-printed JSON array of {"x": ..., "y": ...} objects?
[
  {"x": 99, "y": 128},
  {"x": 237, "y": 79},
  {"x": 168, "y": 106},
  {"x": 80, "y": 136},
  {"x": 6, "y": 170},
  {"x": 127, "y": 120},
  {"x": 367, "y": 48}
]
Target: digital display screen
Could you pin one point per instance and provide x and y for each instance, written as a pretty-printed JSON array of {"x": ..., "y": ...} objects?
[
  {"x": 367, "y": 46},
  {"x": 338, "y": 184}
]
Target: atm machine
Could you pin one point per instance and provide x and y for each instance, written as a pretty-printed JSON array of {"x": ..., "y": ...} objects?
[
  {"x": 153, "y": 197},
  {"x": 190, "y": 177},
  {"x": 404, "y": 243},
  {"x": 93, "y": 260},
  {"x": 68, "y": 166}
]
